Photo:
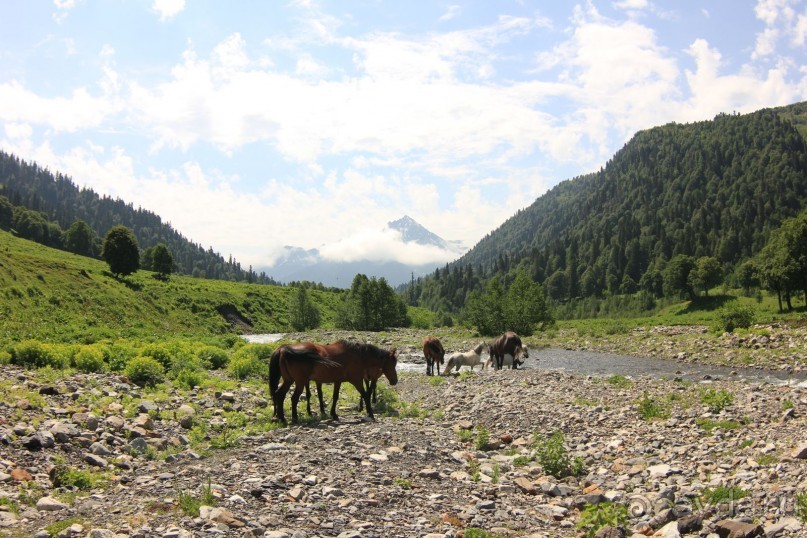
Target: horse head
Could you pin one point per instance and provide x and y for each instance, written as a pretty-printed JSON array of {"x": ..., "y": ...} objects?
[
  {"x": 525, "y": 352},
  {"x": 389, "y": 368}
]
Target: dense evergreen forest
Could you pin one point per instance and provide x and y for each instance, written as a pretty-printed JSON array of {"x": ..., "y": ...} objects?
[
  {"x": 48, "y": 203},
  {"x": 713, "y": 188}
]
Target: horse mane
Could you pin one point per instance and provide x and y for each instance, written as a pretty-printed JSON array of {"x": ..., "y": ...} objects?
[{"x": 364, "y": 348}]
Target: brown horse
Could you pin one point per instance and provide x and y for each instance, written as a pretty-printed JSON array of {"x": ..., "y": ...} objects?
[
  {"x": 337, "y": 363},
  {"x": 275, "y": 357},
  {"x": 507, "y": 344},
  {"x": 434, "y": 353}
]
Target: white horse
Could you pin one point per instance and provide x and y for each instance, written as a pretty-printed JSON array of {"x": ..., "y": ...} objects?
[
  {"x": 523, "y": 355},
  {"x": 469, "y": 358}
]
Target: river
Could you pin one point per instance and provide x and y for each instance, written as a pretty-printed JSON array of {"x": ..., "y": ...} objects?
[{"x": 608, "y": 364}]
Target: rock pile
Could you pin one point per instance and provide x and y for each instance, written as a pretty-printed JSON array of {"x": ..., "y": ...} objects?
[{"x": 454, "y": 454}]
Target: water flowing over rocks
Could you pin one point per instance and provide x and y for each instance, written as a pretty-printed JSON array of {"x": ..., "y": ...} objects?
[{"x": 460, "y": 455}]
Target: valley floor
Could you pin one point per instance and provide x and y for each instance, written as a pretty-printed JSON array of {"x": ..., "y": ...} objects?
[{"x": 453, "y": 455}]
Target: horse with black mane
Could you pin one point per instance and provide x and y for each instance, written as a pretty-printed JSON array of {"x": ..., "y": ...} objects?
[
  {"x": 434, "y": 353},
  {"x": 337, "y": 363},
  {"x": 508, "y": 343}
]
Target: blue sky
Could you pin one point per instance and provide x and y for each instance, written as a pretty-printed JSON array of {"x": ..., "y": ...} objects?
[{"x": 253, "y": 125}]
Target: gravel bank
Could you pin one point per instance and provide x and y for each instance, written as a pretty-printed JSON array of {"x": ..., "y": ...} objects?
[{"x": 424, "y": 472}]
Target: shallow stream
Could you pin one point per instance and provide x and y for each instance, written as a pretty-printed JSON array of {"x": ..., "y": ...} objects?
[{"x": 608, "y": 364}]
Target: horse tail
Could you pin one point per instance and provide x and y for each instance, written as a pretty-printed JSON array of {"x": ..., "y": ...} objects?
[{"x": 274, "y": 371}]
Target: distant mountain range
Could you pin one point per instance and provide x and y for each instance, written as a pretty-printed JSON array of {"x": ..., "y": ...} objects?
[{"x": 298, "y": 264}]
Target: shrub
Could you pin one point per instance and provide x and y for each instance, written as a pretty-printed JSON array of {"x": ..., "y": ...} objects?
[
  {"x": 801, "y": 506},
  {"x": 213, "y": 357},
  {"x": 32, "y": 354},
  {"x": 649, "y": 408},
  {"x": 734, "y": 315},
  {"x": 619, "y": 381},
  {"x": 720, "y": 494},
  {"x": 118, "y": 356},
  {"x": 607, "y": 514},
  {"x": 89, "y": 359},
  {"x": 245, "y": 366},
  {"x": 482, "y": 441},
  {"x": 160, "y": 353},
  {"x": 552, "y": 456},
  {"x": 250, "y": 360},
  {"x": 5, "y": 357},
  {"x": 189, "y": 378},
  {"x": 144, "y": 371},
  {"x": 66, "y": 476},
  {"x": 716, "y": 399}
]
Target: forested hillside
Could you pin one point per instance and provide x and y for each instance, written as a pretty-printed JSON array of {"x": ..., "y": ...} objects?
[
  {"x": 53, "y": 203},
  {"x": 713, "y": 188}
]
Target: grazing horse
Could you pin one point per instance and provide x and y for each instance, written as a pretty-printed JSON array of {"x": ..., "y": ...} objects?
[
  {"x": 507, "y": 344},
  {"x": 275, "y": 357},
  {"x": 434, "y": 353},
  {"x": 468, "y": 358},
  {"x": 337, "y": 363},
  {"x": 508, "y": 360}
]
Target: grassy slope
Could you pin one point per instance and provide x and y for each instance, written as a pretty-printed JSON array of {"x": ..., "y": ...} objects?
[{"x": 52, "y": 295}]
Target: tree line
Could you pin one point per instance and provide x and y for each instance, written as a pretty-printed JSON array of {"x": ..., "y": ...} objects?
[
  {"x": 42, "y": 206},
  {"x": 699, "y": 199}
]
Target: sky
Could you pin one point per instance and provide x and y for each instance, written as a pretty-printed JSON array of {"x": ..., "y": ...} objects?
[{"x": 252, "y": 125}]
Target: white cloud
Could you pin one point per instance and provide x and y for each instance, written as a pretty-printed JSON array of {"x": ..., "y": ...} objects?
[
  {"x": 80, "y": 110},
  {"x": 451, "y": 13},
  {"x": 631, "y": 4},
  {"x": 167, "y": 9}
]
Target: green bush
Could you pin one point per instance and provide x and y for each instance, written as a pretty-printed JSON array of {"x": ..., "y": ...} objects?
[
  {"x": 734, "y": 315},
  {"x": 716, "y": 399},
  {"x": 5, "y": 357},
  {"x": 89, "y": 359},
  {"x": 250, "y": 360},
  {"x": 213, "y": 357},
  {"x": 649, "y": 408},
  {"x": 189, "y": 378},
  {"x": 33, "y": 354},
  {"x": 245, "y": 366},
  {"x": 801, "y": 506},
  {"x": 552, "y": 456},
  {"x": 607, "y": 514},
  {"x": 144, "y": 371},
  {"x": 160, "y": 353},
  {"x": 117, "y": 356}
]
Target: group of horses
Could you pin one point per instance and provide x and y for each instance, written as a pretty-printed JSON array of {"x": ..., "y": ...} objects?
[
  {"x": 361, "y": 364},
  {"x": 505, "y": 350}
]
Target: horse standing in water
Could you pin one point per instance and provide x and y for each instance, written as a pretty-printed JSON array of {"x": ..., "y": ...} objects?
[
  {"x": 434, "y": 353},
  {"x": 468, "y": 358},
  {"x": 337, "y": 363},
  {"x": 507, "y": 344}
]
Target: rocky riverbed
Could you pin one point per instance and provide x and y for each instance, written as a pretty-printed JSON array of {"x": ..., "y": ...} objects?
[{"x": 450, "y": 456}]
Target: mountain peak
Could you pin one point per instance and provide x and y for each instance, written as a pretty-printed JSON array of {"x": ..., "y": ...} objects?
[{"x": 412, "y": 232}]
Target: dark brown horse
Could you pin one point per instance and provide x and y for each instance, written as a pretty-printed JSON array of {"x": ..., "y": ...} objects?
[
  {"x": 337, "y": 363},
  {"x": 507, "y": 344},
  {"x": 274, "y": 359},
  {"x": 434, "y": 353}
]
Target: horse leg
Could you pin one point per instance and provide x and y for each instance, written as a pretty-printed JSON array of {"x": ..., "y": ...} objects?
[
  {"x": 374, "y": 384},
  {"x": 295, "y": 398},
  {"x": 335, "y": 398},
  {"x": 365, "y": 395},
  {"x": 437, "y": 362},
  {"x": 308, "y": 398},
  {"x": 280, "y": 397},
  {"x": 428, "y": 366},
  {"x": 321, "y": 399}
]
